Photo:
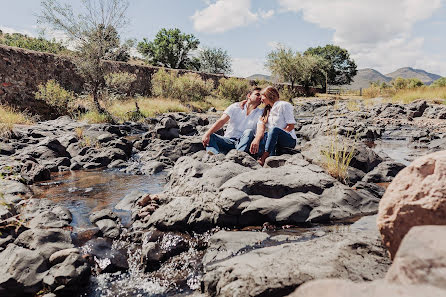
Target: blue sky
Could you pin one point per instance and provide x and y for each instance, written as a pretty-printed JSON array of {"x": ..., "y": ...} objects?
[{"x": 380, "y": 34}]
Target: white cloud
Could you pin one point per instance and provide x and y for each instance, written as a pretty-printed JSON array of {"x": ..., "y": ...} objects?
[
  {"x": 243, "y": 67},
  {"x": 378, "y": 33},
  {"x": 224, "y": 15}
]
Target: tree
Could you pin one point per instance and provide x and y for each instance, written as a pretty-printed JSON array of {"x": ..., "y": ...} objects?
[
  {"x": 441, "y": 82},
  {"x": 215, "y": 60},
  {"x": 95, "y": 34},
  {"x": 171, "y": 49},
  {"x": 294, "y": 68},
  {"x": 341, "y": 68}
]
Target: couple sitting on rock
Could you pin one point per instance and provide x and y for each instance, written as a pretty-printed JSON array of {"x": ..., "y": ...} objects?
[{"x": 259, "y": 132}]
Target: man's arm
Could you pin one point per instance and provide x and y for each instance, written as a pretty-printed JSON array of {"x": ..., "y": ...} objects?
[{"x": 214, "y": 128}]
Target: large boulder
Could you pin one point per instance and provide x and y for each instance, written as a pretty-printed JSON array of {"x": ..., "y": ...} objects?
[
  {"x": 21, "y": 271},
  {"x": 415, "y": 197},
  {"x": 421, "y": 258},
  {"x": 263, "y": 265},
  {"x": 345, "y": 288}
]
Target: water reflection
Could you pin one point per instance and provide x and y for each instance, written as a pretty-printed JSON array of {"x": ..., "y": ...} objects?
[{"x": 85, "y": 191}]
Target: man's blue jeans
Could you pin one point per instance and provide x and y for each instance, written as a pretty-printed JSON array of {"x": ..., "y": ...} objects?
[
  {"x": 219, "y": 144},
  {"x": 278, "y": 138}
]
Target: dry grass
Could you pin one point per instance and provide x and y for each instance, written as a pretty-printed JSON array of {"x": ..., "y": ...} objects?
[
  {"x": 338, "y": 155},
  {"x": 353, "y": 105},
  {"x": 427, "y": 93},
  {"x": 218, "y": 103},
  {"x": 10, "y": 117}
]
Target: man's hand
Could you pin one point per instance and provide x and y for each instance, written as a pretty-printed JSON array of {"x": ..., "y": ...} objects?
[
  {"x": 205, "y": 139},
  {"x": 243, "y": 103},
  {"x": 254, "y": 149}
]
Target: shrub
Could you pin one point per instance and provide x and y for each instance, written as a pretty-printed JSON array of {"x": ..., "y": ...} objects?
[
  {"x": 55, "y": 95},
  {"x": 233, "y": 89},
  {"x": 187, "y": 87},
  {"x": 9, "y": 117},
  {"x": 119, "y": 83},
  {"x": 191, "y": 87},
  {"x": 441, "y": 82},
  {"x": 339, "y": 154}
]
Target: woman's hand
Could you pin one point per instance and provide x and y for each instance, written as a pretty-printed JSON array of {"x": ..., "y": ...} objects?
[
  {"x": 254, "y": 149},
  {"x": 243, "y": 103}
]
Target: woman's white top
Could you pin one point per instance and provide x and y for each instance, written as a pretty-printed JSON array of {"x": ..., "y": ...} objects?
[{"x": 281, "y": 114}]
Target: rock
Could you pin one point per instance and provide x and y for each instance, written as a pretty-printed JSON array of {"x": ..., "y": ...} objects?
[
  {"x": 45, "y": 241},
  {"x": 420, "y": 259},
  {"x": 60, "y": 256},
  {"x": 415, "y": 197},
  {"x": 384, "y": 172},
  {"x": 364, "y": 158},
  {"x": 278, "y": 269},
  {"x": 345, "y": 288},
  {"x": 103, "y": 214},
  {"x": 373, "y": 191},
  {"x": 6, "y": 149},
  {"x": 109, "y": 228},
  {"x": 33, "y": 172},
  {"x": 21, "y": 271},
  {"x": 152, "y": 167},
  {"x": 129, "y": 201},
  {"x": 276, "y": 161},
  {"x": 48, "y": 219},
  {"x": 168, "y": 245},
  {"x": 104, "y": 257},
  {"x": 72, "y": 274}
]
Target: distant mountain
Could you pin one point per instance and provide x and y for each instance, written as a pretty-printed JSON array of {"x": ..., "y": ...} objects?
[
  {"x": 366, "y": 76},
  {"x": 409, "y": 72},
  {"x": 259, "y": 77}
]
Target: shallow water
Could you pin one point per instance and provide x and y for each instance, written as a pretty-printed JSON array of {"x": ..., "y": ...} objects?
[
  {"x": 399, "y": 150},
  {"x": 83, "y": 192}
]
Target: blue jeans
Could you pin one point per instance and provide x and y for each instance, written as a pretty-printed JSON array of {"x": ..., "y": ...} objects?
[
  {"x": 220, "y": 144},
  {"x": 244, "y": 144},
  {"x": 278, "y": 138}
]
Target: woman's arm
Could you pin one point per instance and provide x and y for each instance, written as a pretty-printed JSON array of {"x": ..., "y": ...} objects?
[
  {"x": 259, "y": 135},
  {"x": 289, "y": 127}
]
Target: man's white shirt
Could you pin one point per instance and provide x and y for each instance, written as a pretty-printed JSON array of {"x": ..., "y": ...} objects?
[{"x": 239, "y": 121}]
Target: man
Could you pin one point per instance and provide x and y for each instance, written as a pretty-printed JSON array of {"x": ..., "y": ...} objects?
[{"x": 242, "y": 123}]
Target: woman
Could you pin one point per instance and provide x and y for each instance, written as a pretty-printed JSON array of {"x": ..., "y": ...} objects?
[{"x": 278, "y": 120}]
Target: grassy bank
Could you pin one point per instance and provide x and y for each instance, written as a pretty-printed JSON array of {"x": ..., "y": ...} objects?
[
  {"x": 427, "y": 93},
  {"x": 123, "y": 110},
  {"x": 10, "y": 117}
]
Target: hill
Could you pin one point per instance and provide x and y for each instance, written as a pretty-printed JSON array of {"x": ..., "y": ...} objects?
[
  {"x": 259, "y": 77},
  {"x": 364, "y": 77},
  {"x": 409, "y": 72}
]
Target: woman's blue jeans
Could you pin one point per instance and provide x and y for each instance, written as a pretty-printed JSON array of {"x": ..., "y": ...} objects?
[{"x": 277, "y": 137}]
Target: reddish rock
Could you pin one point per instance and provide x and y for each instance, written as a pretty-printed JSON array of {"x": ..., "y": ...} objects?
[
  {"x": 421, "y": 258},
  {"x": 417, "y": 196}
]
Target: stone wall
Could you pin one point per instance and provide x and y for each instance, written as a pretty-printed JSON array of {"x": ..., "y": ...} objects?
[{"x": 21, "y": 71}]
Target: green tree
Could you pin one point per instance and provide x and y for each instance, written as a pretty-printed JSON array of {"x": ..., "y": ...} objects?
[
  {"x": 94, "y": 31},
  {"x": 441, "y": 82},
  {"x": 341, "y": 68},
  {"x": 171, "y": 49},
  {"x": 292, "y": 67},
  {"x": 215, "y": 60}
]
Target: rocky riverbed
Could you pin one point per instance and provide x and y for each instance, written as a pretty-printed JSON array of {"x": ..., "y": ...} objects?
[{"x": 139, "y": 209}]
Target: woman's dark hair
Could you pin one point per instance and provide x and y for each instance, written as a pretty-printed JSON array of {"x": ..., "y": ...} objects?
[{"x": 273, "y": 95}]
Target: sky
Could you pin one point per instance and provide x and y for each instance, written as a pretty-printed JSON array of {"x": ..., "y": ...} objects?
[{"x": 381, "y": 34}]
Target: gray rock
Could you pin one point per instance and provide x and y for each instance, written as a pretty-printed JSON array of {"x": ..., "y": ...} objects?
[
  {"x": 384, "y": 172},
  {"x": 129, "y": 201},
  {"x": 60, "y": 256},
  {"x": 21, "y": 271},
  {"x": 109, "y": 228},
  {"x": 103, "y": 214},
  {"x": 278, "y": 270},
  {"x": 152, "y": 167},
  {"x": 45, "y": 241},
  {"x": 33, "y": 172}
]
